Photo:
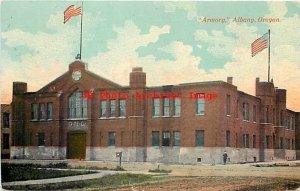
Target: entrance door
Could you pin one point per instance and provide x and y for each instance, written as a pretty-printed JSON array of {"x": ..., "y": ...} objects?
[{"x": 76, "y": 145}]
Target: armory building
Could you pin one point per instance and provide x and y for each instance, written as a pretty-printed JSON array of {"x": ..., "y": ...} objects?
[{"x": 81, "y": 115}]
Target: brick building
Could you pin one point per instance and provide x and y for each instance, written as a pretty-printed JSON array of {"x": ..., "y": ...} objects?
[
  {"x": 5, "y": 130},
  {"x": 84, "y": 116}
]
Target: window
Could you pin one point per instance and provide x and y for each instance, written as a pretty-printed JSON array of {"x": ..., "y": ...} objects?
[
  {"x": 254, "y": 141},
  {"x": 122, "y": 138},
  {"x": 5, "y": 118},
  {"x": 281, "y": 118},
  {"x": 199, "y": 138},
  {"x": 267, "y": 141},
  {"x": 246, "y": 111},
  {"x": 274, "y": 116},
  {"x": 292, "y": 144},
  {"x": 156, "y": 106},
  {"x": 266, "y": 114},
  {"x": 5, "y": 142},
  {"x": 139, "y": 138},
  {"x": 122, "y": 107},
  {"x": 155, "y": 138},
  {"x": 200, "y": 106},
  {"x": 112, "y": 108},
  {"x": 228, "y": 105},
  {"x": 227, "y": 138},
  {"x": 177, "y": 106},
  {"x": 254, "y": 113},
  {"x": 287, "y": 122},
  {"x": 236, "y": 114},
  {"x": 77, "y": 106},
  {"x": 287, "y": 144},
  {"x": 166, "y": 106},
  {"x": 176, "y": 138},
  {"x": 34, "y": 111},
  {"x": 42, "y": 111},
  {"x": 291, "y": 122},
  {"x": 41, "y": 141},
  {"x": 281, "y": 143},
  {"x": 102, "y": 108},
  {"x": 246, "y": 140},
  {"x": 166, "y": 138},
  {"x": 49, "y": 111},
  {"x": 100, "y": 138},
  {"x": 111, "y": 138},
  {"x": 51, "y": 139}
]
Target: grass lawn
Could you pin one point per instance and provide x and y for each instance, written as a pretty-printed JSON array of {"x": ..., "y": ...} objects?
[
  {"x": 110, "y": 181},
  {"x": 20, "y": 172}
]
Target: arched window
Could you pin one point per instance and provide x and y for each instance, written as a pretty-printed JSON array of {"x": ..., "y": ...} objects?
[{"x": 77, "y": 105}]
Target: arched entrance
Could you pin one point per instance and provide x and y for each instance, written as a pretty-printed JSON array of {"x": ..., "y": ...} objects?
[{"x": 76, "y": 145}]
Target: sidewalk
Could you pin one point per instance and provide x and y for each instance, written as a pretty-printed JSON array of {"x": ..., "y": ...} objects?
[
  {"x": 63, "y": 179},
  {"x": 99, "y": 174}
]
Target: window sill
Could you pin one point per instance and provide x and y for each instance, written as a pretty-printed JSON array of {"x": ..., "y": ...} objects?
[
  {"x": 49, "y": 119},
  {"x": 75, "y": 119},
  {"x": 176, "y": 116},
  {"x": 155, "y": 116},
  {"x": 288, "y": 129},
  {"x": 107, "y": 118},
  {"x": 267, "y": 124},
  {"x": 34, "y": 120},
  {"x": 197, "y": 114},
  {"x": 166, "y": 116},
  {"x": 111, "y": 147},
  {"x": 246, "y": 121},
  {"x": 227, "y": 115}
]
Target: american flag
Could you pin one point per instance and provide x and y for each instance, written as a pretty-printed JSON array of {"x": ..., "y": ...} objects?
[
  {"x": 260, "y": 44},
  {"x": 71, "y": 11}
]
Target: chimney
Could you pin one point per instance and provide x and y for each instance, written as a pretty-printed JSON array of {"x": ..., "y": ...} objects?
[
  {"x": 257, "y": 80},
  {"x": 137, "y": 78},
  {"x": 229, "y": 80},
  {"x": 19, "y": 88}
]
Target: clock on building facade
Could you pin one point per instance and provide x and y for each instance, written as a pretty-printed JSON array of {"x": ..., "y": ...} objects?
[{"x": 76, "y": 75}]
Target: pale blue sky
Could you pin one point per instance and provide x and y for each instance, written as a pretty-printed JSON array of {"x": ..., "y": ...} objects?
[{"x": 33, "y": 16}]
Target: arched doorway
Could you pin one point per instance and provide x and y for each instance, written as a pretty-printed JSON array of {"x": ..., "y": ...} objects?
[{"x": 76, "y": 145}]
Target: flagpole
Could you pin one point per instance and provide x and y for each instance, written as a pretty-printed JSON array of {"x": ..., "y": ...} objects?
[
  {"x": 269, "y": 56},
  {"x": 80, "y": 49}
]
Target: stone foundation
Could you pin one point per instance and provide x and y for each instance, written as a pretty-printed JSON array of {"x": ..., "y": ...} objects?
[
  {"x": 188, "y": 155},
  {"x": 129, "y": 154},
  {"x": 179, "y": 155},
  {"x": 40, "y": 152}
]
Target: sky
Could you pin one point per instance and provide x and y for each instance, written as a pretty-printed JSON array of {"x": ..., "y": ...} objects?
[{"x": 170, "y": 40}]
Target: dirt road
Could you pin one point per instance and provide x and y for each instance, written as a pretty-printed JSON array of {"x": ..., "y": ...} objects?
[{"x": 220, "y": 184}]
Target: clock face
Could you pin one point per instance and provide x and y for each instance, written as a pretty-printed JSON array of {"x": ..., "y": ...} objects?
[{"x": 76, "y": 75}]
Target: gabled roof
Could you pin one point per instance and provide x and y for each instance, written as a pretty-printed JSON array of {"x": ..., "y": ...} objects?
[
  {"x": 52, "y": 82},
  {"x": 104, "y": 79}
]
